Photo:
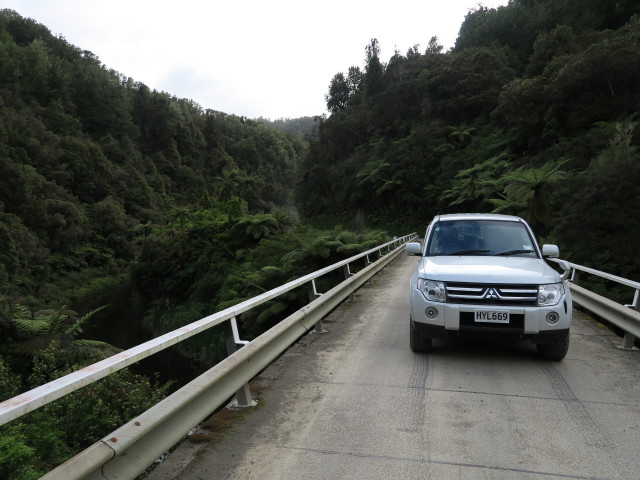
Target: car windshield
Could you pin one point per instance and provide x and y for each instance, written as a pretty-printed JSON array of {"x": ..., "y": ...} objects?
[{"x": 480, "y": 237}]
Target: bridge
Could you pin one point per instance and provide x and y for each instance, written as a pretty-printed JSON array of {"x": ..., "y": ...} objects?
[{"x": 350, "y": 399}]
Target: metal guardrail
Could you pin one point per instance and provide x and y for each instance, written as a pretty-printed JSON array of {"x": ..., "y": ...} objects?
[
  {"x": 626, "y": 317},
  {"x": 128, "y": 451}
]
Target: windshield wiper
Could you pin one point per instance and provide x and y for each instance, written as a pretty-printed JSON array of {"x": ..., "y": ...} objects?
[
  {"x": 468, "y": 252},
  {"x": 513, "y": 252}
]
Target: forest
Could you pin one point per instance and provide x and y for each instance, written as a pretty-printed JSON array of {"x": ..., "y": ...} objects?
[
  {"x": 534, "y": 113},
  {"x": 105, "y": 181}
]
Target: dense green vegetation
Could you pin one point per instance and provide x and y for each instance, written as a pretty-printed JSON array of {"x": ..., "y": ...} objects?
[
  {"x": 102, "y": 179},
  {"x": 534, "y": 112},
  {"x": 92, "y": 162}
]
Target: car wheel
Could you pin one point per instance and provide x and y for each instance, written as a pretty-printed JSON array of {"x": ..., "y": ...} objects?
[
  {"x": 555, "y": 351},
  {"x": 417, "y": 343}
]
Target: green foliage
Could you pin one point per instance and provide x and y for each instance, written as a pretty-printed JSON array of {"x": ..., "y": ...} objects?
[
  {"x": 41, "y": 440},
  {"x": 302, "y": 127},
  {"x": 533, "y": 113},
  {"x": 35, "y": 331},
  {"x": 373, "y": 71},
  {"x": 598, "y": 222},
  {"x": 91, "y": 161},
  {"x": 9, "y": 381},
  {"x": 511, "y": 120},
  {"x": 527, "y": 192},
  {"x": 262, "y": 252},
  {"x": 16, "y": 456},
  {"x": 479, "y": 181},
  {"x": 339, "y": 93}
]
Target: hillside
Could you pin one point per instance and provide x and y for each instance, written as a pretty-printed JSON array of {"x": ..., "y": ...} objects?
[
  {"x": 107, "y": 185},
  {"x": 105, "y": 182},
  {"x": 92, "y": 162},
  {"x": 534, "y": 112}
]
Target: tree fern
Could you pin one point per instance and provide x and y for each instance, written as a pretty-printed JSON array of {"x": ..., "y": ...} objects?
[
  {"x": 31, "y": 326},
  {"x": 527, "y": 192},
  {"x": 58, "y": 326},
  {"x": 477, "y": 181}
]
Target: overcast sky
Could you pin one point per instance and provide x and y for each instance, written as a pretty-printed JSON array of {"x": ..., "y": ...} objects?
[{"x": 255, "y": 58}]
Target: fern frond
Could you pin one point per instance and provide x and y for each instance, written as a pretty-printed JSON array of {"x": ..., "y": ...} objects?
[
  {"x": 76, "y": 328},
  {"x": 32, "y": 326}
]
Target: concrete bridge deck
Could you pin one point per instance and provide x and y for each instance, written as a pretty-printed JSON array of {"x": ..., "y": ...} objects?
[{"x": 356, "y": 403}]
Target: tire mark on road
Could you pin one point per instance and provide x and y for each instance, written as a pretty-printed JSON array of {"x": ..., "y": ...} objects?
[
  {"x": 417, "y": 398},
  {"x": 594, "y": 433}
]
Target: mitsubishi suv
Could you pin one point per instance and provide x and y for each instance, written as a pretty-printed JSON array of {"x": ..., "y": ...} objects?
[{"x": 484, "y": 275}]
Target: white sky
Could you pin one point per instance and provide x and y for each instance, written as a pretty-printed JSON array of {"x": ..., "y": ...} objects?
[{"x": 255, "y": 58}]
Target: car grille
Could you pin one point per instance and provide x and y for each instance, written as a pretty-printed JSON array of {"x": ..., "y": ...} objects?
[{"x": 489, "y": 294}]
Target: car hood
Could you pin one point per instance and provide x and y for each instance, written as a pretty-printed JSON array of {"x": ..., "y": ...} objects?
[{"x": 487, "y": 269}]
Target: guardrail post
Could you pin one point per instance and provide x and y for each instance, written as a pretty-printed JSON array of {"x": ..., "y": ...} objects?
[
  {"x": 347, "y": 274},
  {"x": 380, "y": 255},
  {"x": 313, "y": 294},
  {"x": 629, "y": 339},
  {"x": 575, "y": 274},
  {"x": 636, "y": 301},
  {"x": 233, "y": 342},
  {"x": 367, "y": 262}
]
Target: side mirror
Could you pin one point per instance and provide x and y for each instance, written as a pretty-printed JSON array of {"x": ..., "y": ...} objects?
[
  {"x": 413, "y": 248},
  {"x": 551, "y": 251}
]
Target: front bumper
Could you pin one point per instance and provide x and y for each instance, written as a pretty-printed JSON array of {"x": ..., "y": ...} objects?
[{"x": 458, "y": 320}]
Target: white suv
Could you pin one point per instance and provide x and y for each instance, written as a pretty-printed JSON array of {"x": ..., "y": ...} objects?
[{"x": 484, "y": 275}]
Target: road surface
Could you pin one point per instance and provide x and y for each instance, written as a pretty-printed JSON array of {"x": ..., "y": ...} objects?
[{"x": 356, "y": 403}]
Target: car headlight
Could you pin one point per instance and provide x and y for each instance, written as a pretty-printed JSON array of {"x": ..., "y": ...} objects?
[
  {"x": 434, "y": 291},
  {"x": 549, "y": 295}
]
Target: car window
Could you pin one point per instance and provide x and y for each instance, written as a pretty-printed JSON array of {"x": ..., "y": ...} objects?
[{"x": 480, "y": 237}]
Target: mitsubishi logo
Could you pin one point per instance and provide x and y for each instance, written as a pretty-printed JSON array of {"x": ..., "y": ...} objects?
[{"x": 490, "y": 294}]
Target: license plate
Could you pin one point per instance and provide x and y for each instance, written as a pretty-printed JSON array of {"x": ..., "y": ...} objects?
[{"x": 492, "y": 316}]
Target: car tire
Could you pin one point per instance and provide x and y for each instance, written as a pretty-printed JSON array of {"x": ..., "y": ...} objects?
[
  {"x": 417, "y": 343},
  {"x": 554, "y": 351}
]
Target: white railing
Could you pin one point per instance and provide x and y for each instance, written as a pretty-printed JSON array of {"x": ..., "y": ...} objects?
[
  {"x": 128, "y": 451},
  {"x": 626, "y": 317}
]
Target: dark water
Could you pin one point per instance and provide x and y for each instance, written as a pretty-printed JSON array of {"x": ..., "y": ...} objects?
[{"x": 121, "y": 325}]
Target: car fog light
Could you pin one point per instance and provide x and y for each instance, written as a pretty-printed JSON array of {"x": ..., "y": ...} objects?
[
  {"x": 431, "y": 312},
  {"x": 552, "y": 318}
]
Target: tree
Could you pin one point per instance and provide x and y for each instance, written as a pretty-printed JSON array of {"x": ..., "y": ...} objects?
[
  {"x": 260, "y": 225},
  {"x": 62, "y": 327},
  {"x": 338, "y": 95},
  {"x": 434, "y": 47},
  {"x": 548, "y": 45},
  {"x": 469, "y": 82},
  {"x": 9, "y": 261},
  {"x": 374, "y": 70},
  {"x": 227, "y": 184},
  {"x": 354, "y": 80},
  {"x": 598, "y": 216},
  {"x": 478, "y": 181},
  {"x": 527, "y": 192},
  {"x": 180, "y": 215}
]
